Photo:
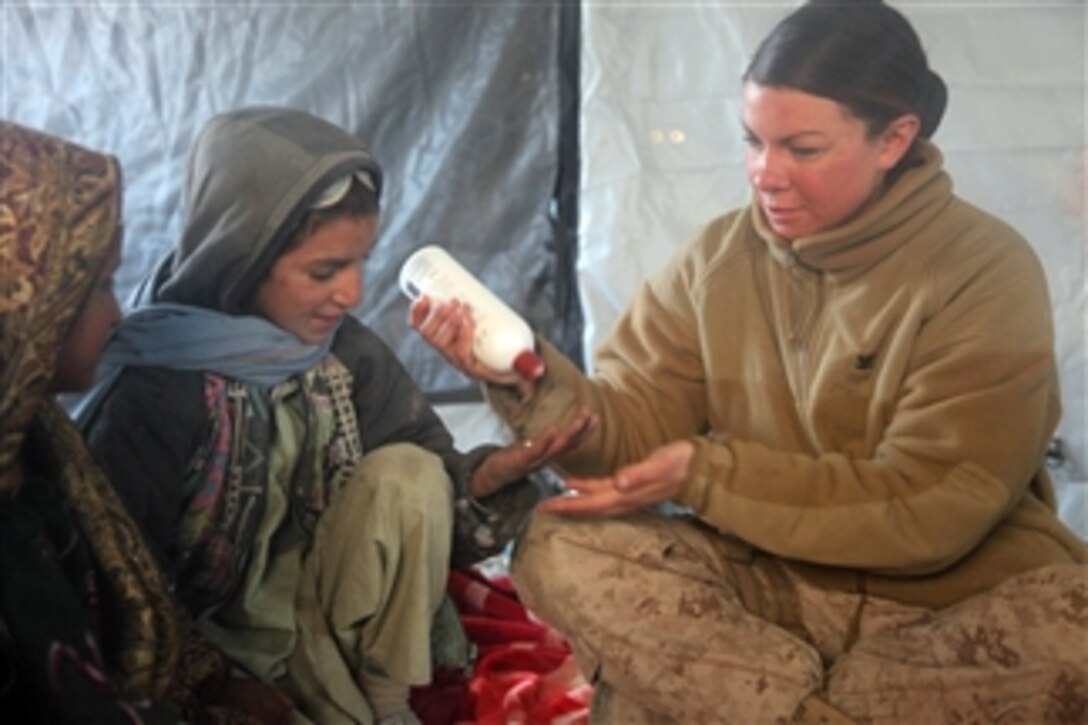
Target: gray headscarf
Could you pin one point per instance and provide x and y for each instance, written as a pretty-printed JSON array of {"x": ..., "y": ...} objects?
[{"x": 253, "y": 173}]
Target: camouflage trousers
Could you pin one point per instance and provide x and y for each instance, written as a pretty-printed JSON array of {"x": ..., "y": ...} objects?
[{"x": 674, "y": 622}]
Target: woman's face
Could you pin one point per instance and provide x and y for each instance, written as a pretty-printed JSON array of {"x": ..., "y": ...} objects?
[
  {"x": 311, "y": 287},
  {"x": 810, "y": 161},
  {"x": 81, "y": 349}
]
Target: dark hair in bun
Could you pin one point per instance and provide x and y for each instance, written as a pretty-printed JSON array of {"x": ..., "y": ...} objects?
[{"x": 860, "y": 53}]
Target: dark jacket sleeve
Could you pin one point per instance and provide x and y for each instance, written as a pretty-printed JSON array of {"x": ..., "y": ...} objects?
[
  {"x": 144, "y": 436},
  {"x": 391, "y": 408}
]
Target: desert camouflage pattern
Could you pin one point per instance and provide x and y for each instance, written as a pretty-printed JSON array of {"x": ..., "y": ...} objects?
[{"x": 684, "y": 624}]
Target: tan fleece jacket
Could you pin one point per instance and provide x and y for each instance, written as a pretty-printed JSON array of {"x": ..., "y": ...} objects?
[{"x": 872, "y": 403}]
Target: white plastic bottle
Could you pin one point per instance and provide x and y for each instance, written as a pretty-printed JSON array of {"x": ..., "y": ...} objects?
[{"x": 503, "y": 340}]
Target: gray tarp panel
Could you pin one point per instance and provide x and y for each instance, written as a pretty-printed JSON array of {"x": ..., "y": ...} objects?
[{"x": 460, "y": 102}]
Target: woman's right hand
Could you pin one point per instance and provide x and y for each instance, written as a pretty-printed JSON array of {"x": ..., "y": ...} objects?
[{"x": 449, "y": 329}]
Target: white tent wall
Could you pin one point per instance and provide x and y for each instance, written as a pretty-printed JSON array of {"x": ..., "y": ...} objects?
[{"x": 663, "y": 152}]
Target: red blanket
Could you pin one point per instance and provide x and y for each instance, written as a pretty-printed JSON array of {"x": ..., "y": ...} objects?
[{"x": 524, "y": 672}]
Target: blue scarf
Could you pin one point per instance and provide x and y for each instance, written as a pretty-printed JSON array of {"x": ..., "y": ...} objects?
[{"x": 182, "y": 337}]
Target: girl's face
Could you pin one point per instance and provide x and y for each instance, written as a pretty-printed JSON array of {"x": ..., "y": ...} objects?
[
  {"x": 81, "y": 349},
  {"x": 311, "y": 287},
  {"x": 811, "y": 162}
]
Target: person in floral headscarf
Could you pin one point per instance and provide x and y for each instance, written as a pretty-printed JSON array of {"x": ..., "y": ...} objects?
[{"x": 88, "y": 630}]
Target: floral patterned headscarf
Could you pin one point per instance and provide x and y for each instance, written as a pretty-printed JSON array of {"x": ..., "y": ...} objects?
[{"x": 59, "y": 209}]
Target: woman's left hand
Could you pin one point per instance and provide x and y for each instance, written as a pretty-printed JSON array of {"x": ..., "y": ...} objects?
[
  {"x": 661, "y": 476},
  {"x": 515, "y": 461}
]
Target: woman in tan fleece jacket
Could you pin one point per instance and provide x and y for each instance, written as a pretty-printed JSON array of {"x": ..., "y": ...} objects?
[{"x": 848, "y": 387}]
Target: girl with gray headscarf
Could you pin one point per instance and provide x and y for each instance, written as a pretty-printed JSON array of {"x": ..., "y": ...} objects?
[{"x": 306, "y": 499}]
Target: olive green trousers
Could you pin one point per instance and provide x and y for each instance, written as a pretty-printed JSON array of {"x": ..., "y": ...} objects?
[{"x": 372, "y": 584}]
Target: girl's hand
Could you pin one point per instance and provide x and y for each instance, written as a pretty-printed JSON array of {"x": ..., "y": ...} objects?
[
  {"x": 658, "y": 477},
  {"x": 449, "y": 329},
  {"x": 520, "y": 458}
]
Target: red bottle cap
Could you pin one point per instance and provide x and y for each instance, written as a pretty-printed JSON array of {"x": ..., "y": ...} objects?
[{"x": 529, "y": 365}]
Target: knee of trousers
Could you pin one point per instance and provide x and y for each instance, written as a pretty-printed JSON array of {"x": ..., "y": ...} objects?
[
  {"x": 547, "y": 554},
  {"x": 410, "y": 482}
]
